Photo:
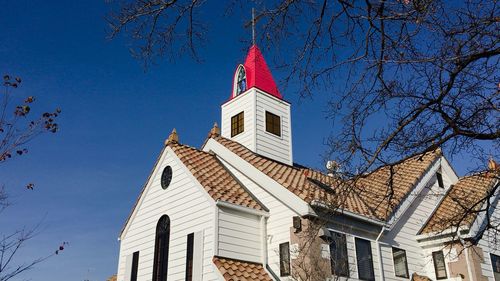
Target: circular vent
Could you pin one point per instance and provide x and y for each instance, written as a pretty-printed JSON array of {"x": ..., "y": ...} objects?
[{"x": 166, "y": 177}]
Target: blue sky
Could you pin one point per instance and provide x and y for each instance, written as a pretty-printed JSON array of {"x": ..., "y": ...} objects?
[{"x": 115, "y": 117}]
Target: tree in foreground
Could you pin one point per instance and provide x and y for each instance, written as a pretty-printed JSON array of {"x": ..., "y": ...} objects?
[
  {"x": 406, "y": 77},
  {"x": 17, "y": 129}
]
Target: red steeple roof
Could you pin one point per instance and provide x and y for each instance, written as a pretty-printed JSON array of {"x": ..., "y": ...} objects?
[{"x": 258, "y": 74}]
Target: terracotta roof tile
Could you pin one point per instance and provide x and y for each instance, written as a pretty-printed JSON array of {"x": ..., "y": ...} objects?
[
  {"x": 416, "y": 277},
  {"x": 217, "y": 181},
  {"x": 236, "y": 270},
  {"x": 375, "y": 195},
  {"x": 459, "y": 206},
  {"x": 386, "y": 187},
  {"x": 214, "y": 177}
]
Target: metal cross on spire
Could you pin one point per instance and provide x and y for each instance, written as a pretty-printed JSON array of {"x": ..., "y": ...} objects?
[{"x": 253, "y": 26}]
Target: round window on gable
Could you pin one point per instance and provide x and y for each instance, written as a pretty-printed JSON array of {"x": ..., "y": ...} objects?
[{"x": 166, "y": 177}]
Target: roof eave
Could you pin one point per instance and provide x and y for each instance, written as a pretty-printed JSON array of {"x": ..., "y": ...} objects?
[
  {"x": 240, "y": 208},
  {"x": 421, "y": 183},
  {"x": 449, "y": 232},
  {"x": 320, "y": 204}
]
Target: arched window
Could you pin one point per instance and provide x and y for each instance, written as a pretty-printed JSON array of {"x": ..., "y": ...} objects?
[
  {"x": 240, "y": 81},
  {"x": 160, "y": 265}
]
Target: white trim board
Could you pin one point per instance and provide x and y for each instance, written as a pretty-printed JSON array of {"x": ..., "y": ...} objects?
[{"x": 288, "y": 198}]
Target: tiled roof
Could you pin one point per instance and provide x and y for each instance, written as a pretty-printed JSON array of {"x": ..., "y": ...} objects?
[
  {"x": 416, "y": 277},
  {"x": 460, "y": 205},
  {"x": 375, "y": 195},
  {"x": 386, "y": 187},
  {"x": 295, "y": 179},
  {"x": 214, "y": 178},
  {"x": 236, "y": 270},
  {"x": 211, "y": 174}
]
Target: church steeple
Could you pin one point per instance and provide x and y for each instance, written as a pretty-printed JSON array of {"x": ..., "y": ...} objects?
[
  {"x": 254, "y": 73},
  {"x": 256, "y": 114}
]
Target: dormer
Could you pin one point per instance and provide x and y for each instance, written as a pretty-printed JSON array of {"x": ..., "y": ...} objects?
[{"x": 256, "y": 114}]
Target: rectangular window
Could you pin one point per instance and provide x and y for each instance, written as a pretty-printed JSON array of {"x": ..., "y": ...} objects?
[
  {"x": 364, "y": 259},
  {"x": 338, "y": 255},
  {"x": 189, "y": 257},
  {"x": 273, "y": 124},
  {"x": 495, "y": 262},
  {"x": 285, "y": 259},
  {"x": 135, "y": 266},
  {"x": 400, "y": 263},
  {"x": 439, "y": 177},
  {"x": 439, "y": 265},
  {"x": 237, "y": 126}
]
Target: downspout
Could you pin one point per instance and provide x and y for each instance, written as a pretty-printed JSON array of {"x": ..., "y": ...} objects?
[
  {"x": 466, "y": 252},
  {"x": 263, "y": 235},
  {"x": 469, "y": 270},
  {"x": 264, "y": 255},
  {"x": 379, "y": 252}
]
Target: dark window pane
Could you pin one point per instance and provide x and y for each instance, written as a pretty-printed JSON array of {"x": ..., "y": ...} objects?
[
  {"x": 273, "y": 124},
  {"x": 439, "y": 177},
  {"x": 495, "y": 262},
  {"x": 400, "y": 263},
  {"x": 364, "y": 259},
  {"x": 135, "y": 266},
  {"x": 439, "y": 265},
  {"x": 166, "y": 177},
  {"x": 237, "y": 125},
  {"x": 241, "y": 81},
  {"x": 160, "y": 262},
  {"x": 338, "y": 255},
  {"x": 189, "y": 257},
  {"x": 285, "y": 259}
]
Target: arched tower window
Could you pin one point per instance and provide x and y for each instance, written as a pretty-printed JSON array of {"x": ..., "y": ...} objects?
[
  {"x": 240, "y": 81},
  {"x": 160, "y": 265}
]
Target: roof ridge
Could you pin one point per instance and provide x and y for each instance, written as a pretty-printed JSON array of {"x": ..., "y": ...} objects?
[
  {"x": 190, "y": 147},
  {"x": 445, "y": 216},
  {"x": 478, "y": 173},
  {"x": 257, "y": 154},
  {"x": 403, "y": 160}
]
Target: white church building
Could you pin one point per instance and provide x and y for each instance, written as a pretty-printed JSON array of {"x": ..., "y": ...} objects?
[{"x": 239, "y": 208}]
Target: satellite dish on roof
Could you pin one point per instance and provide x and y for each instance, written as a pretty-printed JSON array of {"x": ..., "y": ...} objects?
[{"x": 332, "y": 166}]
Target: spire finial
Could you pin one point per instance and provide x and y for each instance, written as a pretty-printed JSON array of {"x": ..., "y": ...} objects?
[
  {"x": 215, "y": 131},
  {"x": 253, "y": 26},
  {"x": 492, "y": 164},
  {"x": 172, "y": 138}
]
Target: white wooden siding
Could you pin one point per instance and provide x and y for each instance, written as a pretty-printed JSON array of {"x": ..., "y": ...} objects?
[
  {"x": 255, "y": 103},
  {"x": 404, "y": 232},
  {"x": 489, "y": 244},
  {"x": 239, "y": 235},
  {"x": 402, "y": 236},
  {"x": 190, "y": 210},
  {"x": 246, "y": 103},
  {"x": 278, "y": 223},
  {"x": 267, "y": 144}
]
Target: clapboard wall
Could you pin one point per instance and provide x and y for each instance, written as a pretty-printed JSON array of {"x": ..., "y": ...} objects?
[
  {"x": 275, "y": 147},
  {"x": 190, "y": 211},
  {"x": 254, "y": 103},
  {"x": 278, "y": 223},
  {"x": 239, "y": 235}
]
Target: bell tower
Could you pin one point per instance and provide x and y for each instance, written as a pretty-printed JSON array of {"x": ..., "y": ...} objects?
[{"x": 256, "y": 114}]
